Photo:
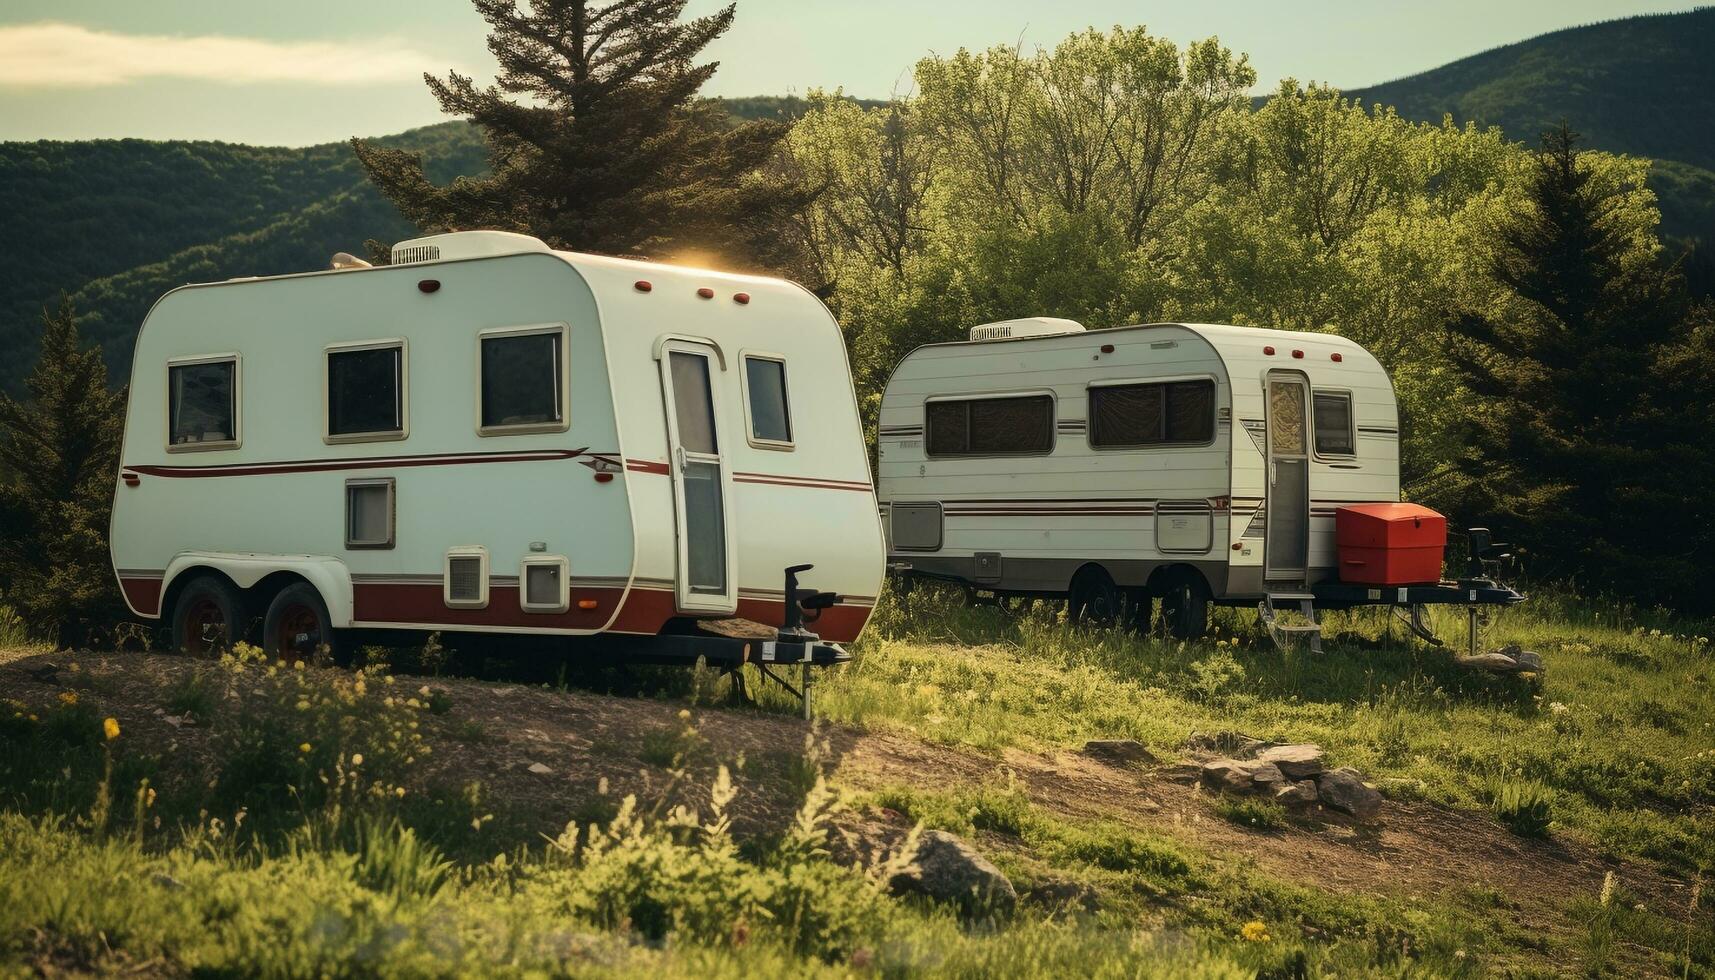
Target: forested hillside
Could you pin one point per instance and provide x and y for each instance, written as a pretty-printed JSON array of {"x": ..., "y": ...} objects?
[
  {"x": 118, "y": 222},
  {"x": 1642, "y": 85}
]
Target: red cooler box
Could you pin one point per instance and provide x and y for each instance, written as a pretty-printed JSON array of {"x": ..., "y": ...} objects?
[{"x": 1389, "y": 544}]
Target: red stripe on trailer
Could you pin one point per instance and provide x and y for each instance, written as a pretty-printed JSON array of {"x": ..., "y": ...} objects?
[{"x": 143, "y": 593}]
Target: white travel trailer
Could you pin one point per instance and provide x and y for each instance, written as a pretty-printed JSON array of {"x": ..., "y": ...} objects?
[
  {"x": 1189, "y": 462},
  {"x": 489, "y": 435}
]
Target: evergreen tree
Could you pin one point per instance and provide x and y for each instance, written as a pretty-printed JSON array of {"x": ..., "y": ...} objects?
[
  {"x": 611, "y": 151},
  {"x": 58, "y": 452},
  {"x": 1584, "y": 392}
]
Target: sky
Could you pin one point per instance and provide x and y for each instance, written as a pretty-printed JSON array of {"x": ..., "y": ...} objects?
[{"x": 297, "y": 72}]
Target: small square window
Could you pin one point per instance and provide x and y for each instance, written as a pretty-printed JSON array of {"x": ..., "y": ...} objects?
[
  {"x": 523, "y": 381},
  {"x": 1332, "y": 414},
  {"x": 366, "y": 393},
  {"x": 770, "y": 415},
  {"x": 543, "y": 585},
  {"x": 369, "y": 519},
  {"x": 202, "y": 404}
]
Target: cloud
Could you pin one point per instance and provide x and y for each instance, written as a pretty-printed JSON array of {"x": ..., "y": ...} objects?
[{"x": 55, "y": 55}]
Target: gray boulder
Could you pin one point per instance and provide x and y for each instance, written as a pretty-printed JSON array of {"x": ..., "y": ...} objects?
[
  {"x": 1296, "y": 761},
  {"x": 1297, "y": 793},
  {"x": 1344, "y": 789},
  {"x": 1234, "y": 776},
  {"x": 950, "y": 870},
  {"x": 1120, "y": 752},
  {"x": 1229, "y": 745}
]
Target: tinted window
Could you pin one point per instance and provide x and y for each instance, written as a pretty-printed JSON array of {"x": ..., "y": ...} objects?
[
  {"x": 521, "y": 380},
  {"x": 200, "y": 403},
  {"x": 765, "y": 379},
  {"x": 1333, "y": 416},
  {"x": 990, "y": 426},
  {"x": 1153, "y": 414},
  {"x": 365, "y": 391}
]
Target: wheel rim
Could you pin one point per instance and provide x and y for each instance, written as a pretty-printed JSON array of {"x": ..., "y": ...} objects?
[
  {"x": 205, "y": 626},
  {"x": 298, "y": 632}
]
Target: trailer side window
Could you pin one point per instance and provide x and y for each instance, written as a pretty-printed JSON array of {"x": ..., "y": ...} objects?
[
  {"x": 202, "y": 404},
  {"x": 366, "y": 392},
  {"x": 765, "y": 391},
  {"x": 369, "y": 512},
  {"x": 523, "y": 381},
  {"x": 1332, "y": 413},
  {"x": 1010, "y": 426},
  {"x": 1130, "y": 416}
]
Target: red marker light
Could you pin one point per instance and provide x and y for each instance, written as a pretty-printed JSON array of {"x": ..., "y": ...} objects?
[
  {"x": 604, "y": 478},
  {"x": 1335, "y": 357},
  {"x": 1298, "y": 353},
  {"x": 428, "y": 285},
  {"x": 1269, "y": 351},
  {"x": 706, "y": 293},
  {"x": 642, "y": 286},
  {"x": 1107, "y": 348},
  {"x": 741, "y": 298}
]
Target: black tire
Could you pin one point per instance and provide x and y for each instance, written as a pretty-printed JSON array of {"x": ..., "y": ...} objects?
[
  {"x": 1185, "y": 608},
  {"x": 1140, "y": 611},
  {"x": 209, "y": 615},
  {"x": 1094, "y": 599},
  {"x": 298, "y": 627}
]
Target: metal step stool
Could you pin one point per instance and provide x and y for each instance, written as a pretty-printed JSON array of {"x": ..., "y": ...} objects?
[{"x": 1279, "y": 632}]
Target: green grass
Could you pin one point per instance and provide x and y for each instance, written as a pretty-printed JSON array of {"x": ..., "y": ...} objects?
[{"x": 1617, "y": 730}]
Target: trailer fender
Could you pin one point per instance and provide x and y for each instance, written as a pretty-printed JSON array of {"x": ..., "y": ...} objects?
[{"x": 329, "y": 575}]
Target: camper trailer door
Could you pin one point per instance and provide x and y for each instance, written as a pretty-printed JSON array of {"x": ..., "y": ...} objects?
[
  {"x": 701, "y": 501},
  {"x": 1288, "y": 523}
]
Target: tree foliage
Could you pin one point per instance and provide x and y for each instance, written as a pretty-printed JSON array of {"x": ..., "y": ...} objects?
[
  {"x": 596, "y": 139},
  {"x": 59, "y": 451}
]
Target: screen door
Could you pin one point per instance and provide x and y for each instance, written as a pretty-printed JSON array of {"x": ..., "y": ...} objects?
[
  {"x": 1288, "y": 527},
  {"x": 704, "y": 582}
]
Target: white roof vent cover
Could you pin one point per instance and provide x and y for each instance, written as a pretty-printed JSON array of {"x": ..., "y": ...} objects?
[
  {"x": 1030, "y": 326},
  {"x": 465, "y": 245}
]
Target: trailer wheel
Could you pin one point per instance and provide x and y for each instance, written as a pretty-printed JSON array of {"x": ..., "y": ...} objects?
[
  {"x": 1094, "y": 598},
  {"x": 207, "y": 615},
  {"x": 1140, "y": 610},
  {"x": 1185, "y": 609},
  {"x": 298, "y": 626}
]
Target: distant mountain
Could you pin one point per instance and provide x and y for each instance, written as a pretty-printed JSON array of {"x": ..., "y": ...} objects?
[{"x": 1641, "y": 85}]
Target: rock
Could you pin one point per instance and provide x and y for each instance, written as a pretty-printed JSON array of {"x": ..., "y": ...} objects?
[
  {"x": 1300, "y": 792},
  {"x": 539, "y": 769},
  {"x": 1064, "y": 894},
  {"x": 166, "y": 881},
  {"x": 1296, "y": 761},
  {"x": 1230, "y": 745},
  {"x": 950, "y": 870},
  {"x": 1498, "y": 663},
  {"x": 1344, "y": 789},
  {"x": 1233, "y": 776},
  {"x": 1181, "y": 772},
  {"x": 1120, "y": 751}
]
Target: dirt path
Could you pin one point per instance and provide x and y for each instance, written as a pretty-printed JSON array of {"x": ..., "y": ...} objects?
[{"x": 496, "y": 732}]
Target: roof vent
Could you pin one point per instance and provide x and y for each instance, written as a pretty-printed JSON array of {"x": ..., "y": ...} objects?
[
  {"x": 465, "y": 245},
  {"x": 1030, "y": 326}
]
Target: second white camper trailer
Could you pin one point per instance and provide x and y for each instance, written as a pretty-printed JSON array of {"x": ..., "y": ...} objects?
[
  {"x": 489, "y": 435},
  {"x": 1190, "y": 462}
]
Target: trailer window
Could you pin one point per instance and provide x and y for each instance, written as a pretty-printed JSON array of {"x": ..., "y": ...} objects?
[
  {"x": 1170, "y": 413},
  {"x": 1332, "y": 414},
  {"x": 366, "y": 392},
  {"x": 202, "y": 404},
  {"x": 369, "y": 518},
  {"x": 765, "y": 389},
  {"x": 523, "y": 381},
  {"x": 1010, "y": 426}
]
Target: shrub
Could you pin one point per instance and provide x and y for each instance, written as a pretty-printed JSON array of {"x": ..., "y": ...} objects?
[
  {"x": 1257, "y": 814},
  {"x": 1525, "y": 806}
]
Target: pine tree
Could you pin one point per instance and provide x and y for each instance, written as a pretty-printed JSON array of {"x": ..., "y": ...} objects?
[
  {"x": 613, "y": 152},
  {"x": 1582, "y": 392},
  {"x": 58, "y": 453}
]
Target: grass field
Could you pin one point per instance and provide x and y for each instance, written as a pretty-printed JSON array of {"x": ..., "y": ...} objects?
[{"x": 248, "y": 818}]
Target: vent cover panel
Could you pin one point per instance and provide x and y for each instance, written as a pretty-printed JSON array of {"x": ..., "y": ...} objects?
[
  {"x": 464, "y": 578},
  {"x": 416, "y": 253},
  {"x": 542, "y": 585}
]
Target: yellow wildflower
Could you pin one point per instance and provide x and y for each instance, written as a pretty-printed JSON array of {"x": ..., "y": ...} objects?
[
  {"x": 111, "y": 727},
  {"x": 68, "y": 698},
  {"x": 357, "y": 758},
  {"x": 1255, "y": 931},
  {"x": 399, "y": 791},
  {"x": 305, "y": 748}
]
